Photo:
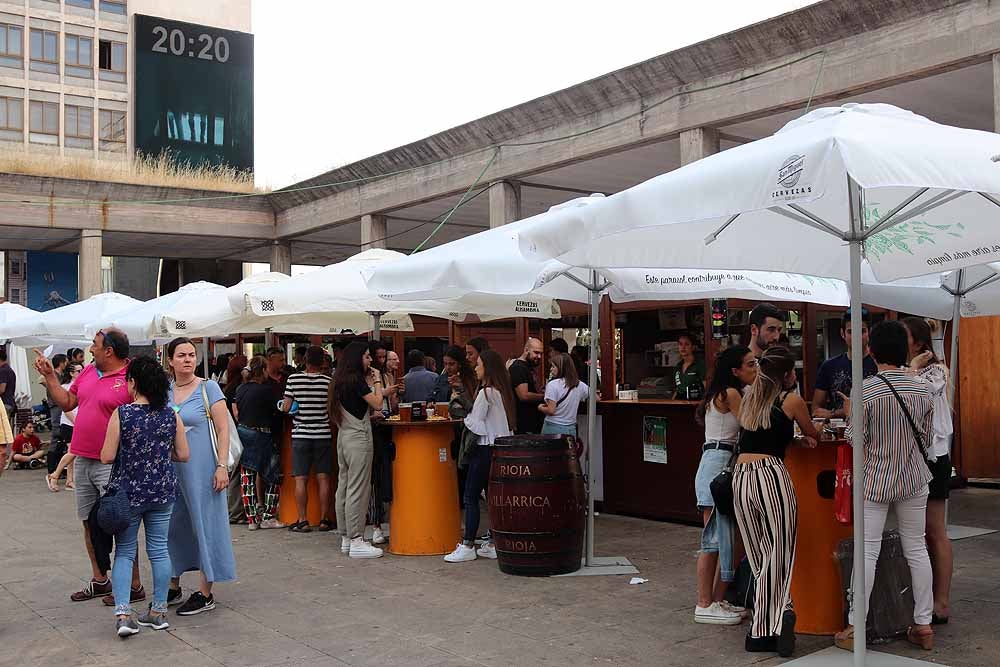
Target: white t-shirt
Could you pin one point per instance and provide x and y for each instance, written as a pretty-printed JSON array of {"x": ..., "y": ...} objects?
[
  {"x": 67, "y": 418},
  {"x": 567, "y": 410}
]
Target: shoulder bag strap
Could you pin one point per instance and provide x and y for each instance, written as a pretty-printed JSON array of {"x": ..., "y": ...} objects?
[
  {"x": 917, "y": 433},
  {"x": 211, "y": 424}
]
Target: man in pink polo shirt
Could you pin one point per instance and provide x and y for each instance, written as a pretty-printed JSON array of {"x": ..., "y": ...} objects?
[{"x": 95, "y": 394}]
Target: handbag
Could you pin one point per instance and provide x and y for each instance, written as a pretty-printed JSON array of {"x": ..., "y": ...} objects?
[
  {"x": 114, "y": 513},
  {"x": 722, "y": 487},
  {"x": 918, "y": 435},
  {"x": 843, "y": 486},
  {"x": 235, "y": 444}
]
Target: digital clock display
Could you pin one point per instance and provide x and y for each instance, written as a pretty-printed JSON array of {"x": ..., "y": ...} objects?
[{"x": 193, "y": 92}]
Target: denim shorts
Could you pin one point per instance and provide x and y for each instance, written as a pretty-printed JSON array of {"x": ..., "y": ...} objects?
[
  {"x": 712, "y": 463},
  {"x": 257, "y": 448}
]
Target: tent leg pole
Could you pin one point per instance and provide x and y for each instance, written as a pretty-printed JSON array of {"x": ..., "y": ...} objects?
[
  {"x": 858, "y": 597},
  {"x": 595, "y": 300}
]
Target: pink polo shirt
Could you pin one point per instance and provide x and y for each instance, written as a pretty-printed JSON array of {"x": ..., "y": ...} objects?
[{"x": 98, "y": 396}]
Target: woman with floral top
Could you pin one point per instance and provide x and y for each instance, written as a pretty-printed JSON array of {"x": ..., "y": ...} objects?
[{"x": 141, "y": 440}]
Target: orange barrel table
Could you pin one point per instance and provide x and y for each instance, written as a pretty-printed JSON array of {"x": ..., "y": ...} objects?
[
  {"x": 287, "y": 511},
  {"x": 424, "y": 519},
  {"x": 817, "y": 590},
  {"x": 537, "y": 505}
]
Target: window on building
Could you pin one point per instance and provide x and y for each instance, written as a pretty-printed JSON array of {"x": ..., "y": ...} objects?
[
  {"x": 15, "y": 295},
  {"x": 44, "y": 51},
  {"x": 79, "y": 52},
  {"x": 15, "y": 268},
  {"x": 44, "y": 119},
  {"x": 11, "y": 44},
  {"x": 79, "y": 122},
  {"x": 86, "y": 4},
  {"x": 113, "y": 6},
  {"x": 112, "y": 125},
  {"x": 11, "y": 113},
  {"x": 111, "y": 56}
]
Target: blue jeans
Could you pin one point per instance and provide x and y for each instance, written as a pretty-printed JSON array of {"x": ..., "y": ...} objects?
[
  {"x": 477, "y": 479},
  {"x": 552, "y": 428},
  {"x": 156, "y": 519},
  {"x": 718, "y": 536}
]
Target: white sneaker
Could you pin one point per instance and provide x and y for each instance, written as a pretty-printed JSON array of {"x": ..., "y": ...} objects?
[
  {"x": 253, "y": 525},
  {"x": 378, "y": 537},
  {"x": 715, "y": 614},
  {"x": 488, "y": 550},
  {"x": 267, "y": 524},
  {"x": 345, "y": 544},
  {"x": 735, "y": 608},
  {"x": 461, "y": 554},
  {"x": 361, "y": 549}
]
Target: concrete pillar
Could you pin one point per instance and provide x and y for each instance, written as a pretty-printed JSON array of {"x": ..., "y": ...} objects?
[
  {"x": 996, "y": 92},
  {"x": 698, "y": 143},
  {"x": 89, "y": 272},
  {"x": 373, "y": 231},
  {"x": 505, "y": 203},
  {"x": 281, "y": 257}
]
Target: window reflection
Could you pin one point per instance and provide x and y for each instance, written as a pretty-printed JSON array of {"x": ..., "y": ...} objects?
[{"x": 193, "y": 127}]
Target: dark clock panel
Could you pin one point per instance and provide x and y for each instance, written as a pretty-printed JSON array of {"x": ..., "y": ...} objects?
[{"x": 193, "y": 92}]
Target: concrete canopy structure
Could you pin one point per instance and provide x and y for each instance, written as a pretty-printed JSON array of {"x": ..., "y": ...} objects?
[{"x": 934, "y": 57}]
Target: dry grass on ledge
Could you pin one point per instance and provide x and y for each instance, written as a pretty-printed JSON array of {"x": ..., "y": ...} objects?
[{"x": 158, "y": 171}]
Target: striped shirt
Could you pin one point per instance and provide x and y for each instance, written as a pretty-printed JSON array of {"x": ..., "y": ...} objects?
[
  {"x": 895, "y": 468},
  {"x": 310, "y": 391}
]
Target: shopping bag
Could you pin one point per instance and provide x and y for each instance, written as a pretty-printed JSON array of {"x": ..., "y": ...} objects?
[{"x": 844, "y": 485}]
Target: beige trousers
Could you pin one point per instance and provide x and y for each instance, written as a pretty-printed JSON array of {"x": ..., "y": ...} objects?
[{"x": 355, "y": 448}]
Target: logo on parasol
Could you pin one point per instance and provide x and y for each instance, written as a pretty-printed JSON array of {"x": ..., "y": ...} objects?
[{"x": 791, "y": 171}]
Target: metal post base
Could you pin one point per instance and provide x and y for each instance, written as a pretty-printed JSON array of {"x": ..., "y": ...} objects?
[{"x": 604, "y": 565}]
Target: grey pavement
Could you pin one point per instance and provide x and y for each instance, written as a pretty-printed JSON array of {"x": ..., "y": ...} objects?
[{"x": 300, "y": 602}]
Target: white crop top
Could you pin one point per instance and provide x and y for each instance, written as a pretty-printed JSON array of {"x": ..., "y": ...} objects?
[{"x": 720, "y": 426}]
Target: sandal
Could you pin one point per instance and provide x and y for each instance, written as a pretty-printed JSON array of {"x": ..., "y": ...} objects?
[
  {"x": 300, "y": 527},
  {"x": 939, "y": 620},
  {"x": 51, "y": 483},
  {"x": 922, "y": 637},
  {"x": 70, "y": 485},
  {"x": 845, "y": 638},
  {"x": 325, "y": 526}
]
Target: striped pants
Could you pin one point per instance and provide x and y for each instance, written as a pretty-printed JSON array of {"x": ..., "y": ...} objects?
[{"x": 767, "y": 514}]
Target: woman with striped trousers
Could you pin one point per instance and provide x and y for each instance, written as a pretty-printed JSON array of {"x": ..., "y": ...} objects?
[{"x": 764, "y": 498}]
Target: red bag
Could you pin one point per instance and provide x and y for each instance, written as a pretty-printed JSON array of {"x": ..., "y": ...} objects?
[{"x": 842, "y": 501}]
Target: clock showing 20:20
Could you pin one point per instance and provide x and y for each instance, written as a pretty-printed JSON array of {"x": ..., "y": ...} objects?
[{"x": 205, "y": 47}]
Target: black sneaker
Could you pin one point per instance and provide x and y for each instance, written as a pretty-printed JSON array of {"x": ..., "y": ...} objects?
[
  {"x": 196, "y": 604},
  {"x": 174, "y": 596}
]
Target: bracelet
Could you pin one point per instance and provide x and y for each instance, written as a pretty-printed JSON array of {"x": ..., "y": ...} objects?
[{"x": 222, "y": 465}]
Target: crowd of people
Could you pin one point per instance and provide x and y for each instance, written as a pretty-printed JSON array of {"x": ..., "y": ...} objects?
[{"x": 751, "y": 411}]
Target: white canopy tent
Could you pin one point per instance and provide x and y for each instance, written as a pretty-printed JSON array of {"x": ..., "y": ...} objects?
[
  {"x": 339, "y": 293},
  {"x": 66, "y": 324},
  {"x": 914, "y": 196}
]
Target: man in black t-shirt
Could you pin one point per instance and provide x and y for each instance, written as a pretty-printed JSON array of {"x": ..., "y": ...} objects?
[{"x": 526, "y": 394}]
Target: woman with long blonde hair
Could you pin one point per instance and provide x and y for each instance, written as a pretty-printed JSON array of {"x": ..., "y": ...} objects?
[{"x": 764, "y": 498}]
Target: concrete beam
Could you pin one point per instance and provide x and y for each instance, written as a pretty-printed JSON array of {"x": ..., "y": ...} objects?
[
  {"x": 373, "y": 232},
  {"x": 505, "y": 203},
  {"x": 281, "y": 257},
  {"x": 697, "y": 143},
  {"x": 51, "y": 203},
  {"x": 89, "y": 267},
  {"x": 942, "y": 39}
]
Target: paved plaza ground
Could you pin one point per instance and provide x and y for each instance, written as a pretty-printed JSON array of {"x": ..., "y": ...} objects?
[{"x": 300, "y": 602}]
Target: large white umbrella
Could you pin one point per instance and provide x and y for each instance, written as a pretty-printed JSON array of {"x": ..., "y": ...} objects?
[
  {"x": 338, "y": 294},
  {"x": 67, "y": 324},
  {"x": 11, "y": 312},
  {"x": 195, "y": 310},
  {"x": 914, "y": 196}
]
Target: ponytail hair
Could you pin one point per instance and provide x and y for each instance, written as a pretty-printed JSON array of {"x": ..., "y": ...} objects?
[{"x": 758, "y": 402}]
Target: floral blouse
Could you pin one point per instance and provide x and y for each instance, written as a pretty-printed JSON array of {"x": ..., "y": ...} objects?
[{"x": 143, "y": 465}]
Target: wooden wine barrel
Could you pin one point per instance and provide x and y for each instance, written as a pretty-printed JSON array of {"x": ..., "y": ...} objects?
[{"x": 537, "y": 505}]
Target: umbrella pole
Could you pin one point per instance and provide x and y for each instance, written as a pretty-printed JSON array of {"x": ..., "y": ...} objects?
[
  {"x": 859, "y": 599},
  {"x": 204, "y": 353},
  {"x": 956, "y": 319},
  {"x": 376, "y": 325},
  {"x": 595, "y": 300}
]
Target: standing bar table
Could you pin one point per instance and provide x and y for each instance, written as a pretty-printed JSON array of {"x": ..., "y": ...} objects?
[
  {"x": 425, "y": 516},
  {"x": 817, "y": 590}
]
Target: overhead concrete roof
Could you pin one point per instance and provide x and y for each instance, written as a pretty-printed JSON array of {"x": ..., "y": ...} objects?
[{"x": 788, "y": 34}]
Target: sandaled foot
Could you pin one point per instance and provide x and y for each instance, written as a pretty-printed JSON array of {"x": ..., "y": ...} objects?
[
  {"x": 921, "y": 635},
  {"x": 300, "y": 527},
  {"x": 845, "y": 639},
  {"x": 52, "y": 483},
  {"x": 325, "y": 526},
  {"x": 70, "y": 485}
]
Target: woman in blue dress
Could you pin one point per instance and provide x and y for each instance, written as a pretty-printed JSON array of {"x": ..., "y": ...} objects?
[{"x": 199, "y": 528}]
